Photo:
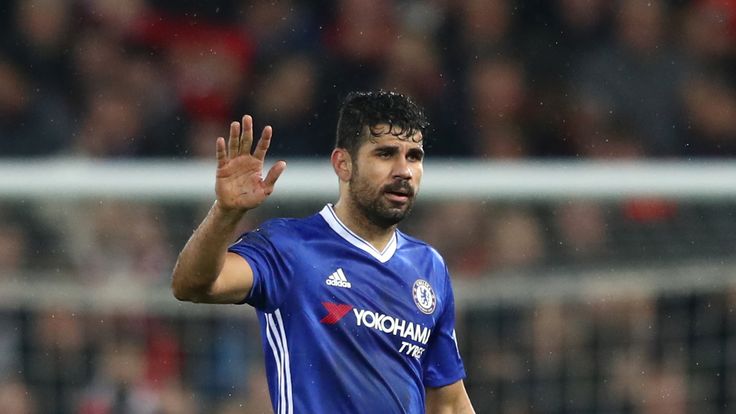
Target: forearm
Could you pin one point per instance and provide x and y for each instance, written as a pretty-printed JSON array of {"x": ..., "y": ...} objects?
[
  {"x": 450, "y": 399},
  {"x": 202, "y": 258},
  {"x": 457, "y": 407}
]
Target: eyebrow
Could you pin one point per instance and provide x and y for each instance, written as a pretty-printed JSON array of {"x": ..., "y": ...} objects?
[
  {"x": 416, "y": 152},
  {"x": 395, "y": 148},
  {"x": 386, "y": 147}
]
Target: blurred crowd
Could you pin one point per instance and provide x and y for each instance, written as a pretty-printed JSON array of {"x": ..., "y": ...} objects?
[
  {"x": 606, "y": 352},
  {"x": 631, "y": 354},
  {"x": 499, "y": 78},
  {"x": 59, "y": 361}
]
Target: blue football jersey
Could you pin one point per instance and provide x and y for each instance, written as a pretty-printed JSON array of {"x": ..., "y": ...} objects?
[{"x": 347, "y": 328}]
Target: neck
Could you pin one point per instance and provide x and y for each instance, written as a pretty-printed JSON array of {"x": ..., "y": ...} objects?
[{"x": 354, "y": 220}]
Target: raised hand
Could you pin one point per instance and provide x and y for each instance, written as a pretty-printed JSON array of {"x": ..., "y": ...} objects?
[{"x": 239, "y": 183}]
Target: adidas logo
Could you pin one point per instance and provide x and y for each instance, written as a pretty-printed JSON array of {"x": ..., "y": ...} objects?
[{"x": 338, "y": 279}]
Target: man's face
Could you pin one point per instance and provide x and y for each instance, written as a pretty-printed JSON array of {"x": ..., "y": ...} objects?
[{"x": 386, "y": 174}]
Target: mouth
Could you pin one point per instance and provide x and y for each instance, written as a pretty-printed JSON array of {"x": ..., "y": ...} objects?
[
  {"x": 399, "y": 193},
  {"x": 397, "y": 197}
]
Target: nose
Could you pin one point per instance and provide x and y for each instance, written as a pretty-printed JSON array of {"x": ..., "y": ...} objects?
[{"x": 402, "y": 169}]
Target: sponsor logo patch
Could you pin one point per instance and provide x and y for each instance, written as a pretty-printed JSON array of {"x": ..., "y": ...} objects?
[
  {"x": 335, "y": 312},
  {"x": 338, "y": 279},
  {"x": 424, "y": 296}
]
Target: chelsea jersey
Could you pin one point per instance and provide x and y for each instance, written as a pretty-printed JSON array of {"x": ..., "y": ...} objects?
[{"x": 347, "y": 328}]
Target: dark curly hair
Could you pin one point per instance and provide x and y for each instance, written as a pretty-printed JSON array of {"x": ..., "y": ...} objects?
[{"x": 362, "y": 112}]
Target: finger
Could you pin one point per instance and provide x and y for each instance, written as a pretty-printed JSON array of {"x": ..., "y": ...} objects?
[
  {"x": 234, "y": 141},
  {"x": 221, "y": 152},
  {"x": 273, "y": 174},
  {"x": 263, "y": 143},
  {"x": 246, "y": 139}
]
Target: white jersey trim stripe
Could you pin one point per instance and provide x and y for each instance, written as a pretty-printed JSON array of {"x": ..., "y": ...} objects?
[
  {"x": 276, "y": 334},
  {"x": 338, "y": 227},
  {"x": 287, "y": 367},
  {"x": 277, "y": 359}
]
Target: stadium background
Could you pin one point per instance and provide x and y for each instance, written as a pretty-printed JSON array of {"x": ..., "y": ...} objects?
[{"x": 600, "y": 304}]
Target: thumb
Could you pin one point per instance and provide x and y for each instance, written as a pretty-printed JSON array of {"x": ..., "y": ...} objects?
[{"x": 273, "y": 174}]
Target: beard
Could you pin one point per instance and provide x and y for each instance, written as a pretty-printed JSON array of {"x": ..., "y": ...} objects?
[{"x": 374, "y": 205}]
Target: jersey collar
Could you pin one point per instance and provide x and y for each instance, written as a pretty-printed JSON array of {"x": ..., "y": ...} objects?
[{"x": 328, "y": 213}]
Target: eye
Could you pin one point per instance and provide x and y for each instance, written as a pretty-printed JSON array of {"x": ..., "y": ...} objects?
[
  {"x": 415, "y": 156},
  {"x": 384, "y": 154}
]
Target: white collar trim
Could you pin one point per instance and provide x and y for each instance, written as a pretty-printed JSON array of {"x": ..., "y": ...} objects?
[{"x": 328, "y": 213}]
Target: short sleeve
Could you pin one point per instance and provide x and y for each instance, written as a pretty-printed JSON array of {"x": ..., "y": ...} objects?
[
  {"x": 443, "y": 364},
  {"x": 266, "y": 253}
]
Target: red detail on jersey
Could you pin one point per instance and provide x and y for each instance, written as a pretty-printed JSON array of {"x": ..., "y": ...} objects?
[{"x": 336, "y": 312}]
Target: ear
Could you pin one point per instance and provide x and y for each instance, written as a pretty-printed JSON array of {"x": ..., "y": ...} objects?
[{"x": 342, "y": 164}]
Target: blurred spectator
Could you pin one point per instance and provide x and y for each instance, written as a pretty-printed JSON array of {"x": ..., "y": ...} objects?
[
  {"x": 582, "y": 229},
  {"x": 256, "y": 400},
  {"x": 10, "y": 341},
  {"x": 286, "y": 99},
  {"x": 664, "y": 392},
  {"x": 613, "y": 139},
  {"x": 14, "y": 246},
  {"x": 414, "y": 67},
  {"x": 636, "y": 78},
  {"x": 120, "y": 242},
  {"x": 486, "y": 27},
  {"x": 98, "y": 60},
  {"x": 27, "y": 243},
  {"x": 119, "y": 384},
  {"x": 475, "y": 239},
  {"x": 709, "y": 35},
  {"x": 280, "y": 28},
  {"x": 16, "y": 398},
  {"x": 516, "y": 239},
  {"x": 41, "y": 42},
  {"x": 710, "y": 110},
  {"x": 220, "y": 369},
  {"x": 111, "y": 126},
  {"x": 359, "y": 40},
  {"x": 138, "y": 368},
  {"x": 118, "y": 20},
  {"x": 462, "y": 238},
  {"x": 32, "y": 122},
  {"x": 175, "y": 398},
  {"x": 57, "y": 363},
  {"x": 550, "y": 326},
  {"x": 201, "y": 136},
  {"x": 502, "y": 141},
  {"x": 497, "y": 97},
  {"x": 161, "y": 114},
  {"x": 498, "y": 90},
  {"x": 570, "y": 30},
  {"x": 209, "y": 67}
]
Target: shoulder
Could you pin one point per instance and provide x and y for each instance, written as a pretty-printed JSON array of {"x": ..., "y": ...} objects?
[
  {"x": 417, "y": 246},
  {"x": 288, "y": 227}
]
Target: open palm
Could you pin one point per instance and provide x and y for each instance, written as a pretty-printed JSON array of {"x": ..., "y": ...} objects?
[{"x": 239, "y": 183}]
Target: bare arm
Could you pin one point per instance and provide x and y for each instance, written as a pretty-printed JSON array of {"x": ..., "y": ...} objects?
[
  {"x": 450, "y": 399},
  {"x": 205, "y": 271}
]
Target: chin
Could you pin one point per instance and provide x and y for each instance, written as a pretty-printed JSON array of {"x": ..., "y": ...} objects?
[{"x": 395, "y": 215}]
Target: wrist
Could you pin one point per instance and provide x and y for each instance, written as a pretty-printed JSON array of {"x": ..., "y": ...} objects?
[{"x": 227, "y": 215}]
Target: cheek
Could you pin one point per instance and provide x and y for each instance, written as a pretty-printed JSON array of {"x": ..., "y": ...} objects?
[
  {"x": 362, "y": 181},
  {"x": 372, "y": 174},
  {"x": 418, "y": 173}
]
